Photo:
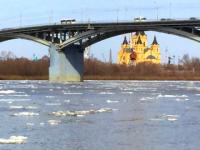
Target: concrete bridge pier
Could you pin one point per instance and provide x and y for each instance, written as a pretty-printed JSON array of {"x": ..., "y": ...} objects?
[{"x": 66, "y": 65}]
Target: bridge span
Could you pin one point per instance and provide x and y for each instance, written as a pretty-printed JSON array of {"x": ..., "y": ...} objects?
[{"x": 67, "y": 42}]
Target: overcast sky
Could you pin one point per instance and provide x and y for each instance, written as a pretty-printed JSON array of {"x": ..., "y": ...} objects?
[{"x": 15, "y": 13}]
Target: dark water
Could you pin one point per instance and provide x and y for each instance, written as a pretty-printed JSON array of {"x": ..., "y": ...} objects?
[{"x": 144, "y": 116}]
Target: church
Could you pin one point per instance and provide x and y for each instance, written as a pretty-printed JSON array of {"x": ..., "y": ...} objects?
[{"x": 136, "y": 50}]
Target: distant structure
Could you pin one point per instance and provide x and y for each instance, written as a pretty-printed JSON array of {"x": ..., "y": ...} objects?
[
  {"x": 110, "y": 57},
  {"x": 35, "y": 58},
  {"x": 136, "y": 50}
]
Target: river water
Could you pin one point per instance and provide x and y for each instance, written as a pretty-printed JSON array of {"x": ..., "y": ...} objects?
[{"x": 100, "y": 115}]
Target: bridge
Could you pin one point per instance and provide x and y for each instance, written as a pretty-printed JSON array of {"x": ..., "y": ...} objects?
[{"x": 67, "y": 42}]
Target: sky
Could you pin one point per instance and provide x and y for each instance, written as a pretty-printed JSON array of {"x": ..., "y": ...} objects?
[{"x": 17, "y": 13}]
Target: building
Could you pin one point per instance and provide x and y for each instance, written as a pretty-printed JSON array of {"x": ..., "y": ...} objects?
[{"x": 136, "y": 50}]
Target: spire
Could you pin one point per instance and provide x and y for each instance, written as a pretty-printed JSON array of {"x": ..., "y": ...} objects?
[
  {"x": 125, "y": 41},
  {"x": 139, "y": 41},
  {"x": 155, "y": 41}
]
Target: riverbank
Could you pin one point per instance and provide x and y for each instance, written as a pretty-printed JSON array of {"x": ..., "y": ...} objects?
[
  {"x": 192, "y": 78},
  {"x": 195, "y": 78},
  {"x": 24, "y": 69}
]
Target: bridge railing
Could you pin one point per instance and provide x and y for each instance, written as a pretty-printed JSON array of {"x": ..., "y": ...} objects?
[{"x": 134, "y": 20}]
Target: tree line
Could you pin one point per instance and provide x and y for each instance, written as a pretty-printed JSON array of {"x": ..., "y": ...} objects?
[{"x": 12, "y": 67}]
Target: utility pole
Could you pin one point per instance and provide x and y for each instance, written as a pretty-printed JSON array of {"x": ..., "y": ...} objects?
[
  {"x": 117, "y": 15},
  {"x": 51, "y": 17},
  {"x": 20, "y": 19},
  {"x": 156, "y": 9},
  {"x": 170, "y": 10}
]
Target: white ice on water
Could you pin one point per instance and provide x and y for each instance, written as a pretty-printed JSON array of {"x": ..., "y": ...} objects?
[
  {"x": 81, "y": 113},
  {"x": 106, "y": 93},
  {"x": 73, "y": 93},
  {"x": 165, "y": 117},
  {"x": 22, "y": 107},
  {"x": 14, "y": 140},
  {"x": 54, "y": 122},
  {"x": 7, "y": 91},
  {"x": 52, "y": 104},
  {"x": 110, "y": 101},
  {"x": 172, "y": 96},
  {"x": 26, "y": 114}
]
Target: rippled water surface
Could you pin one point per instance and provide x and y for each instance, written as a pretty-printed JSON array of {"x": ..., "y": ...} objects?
[{"x": 100, "y": 115}]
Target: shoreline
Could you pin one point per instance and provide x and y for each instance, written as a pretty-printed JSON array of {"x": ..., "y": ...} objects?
[{"x": 145, "y": 78}]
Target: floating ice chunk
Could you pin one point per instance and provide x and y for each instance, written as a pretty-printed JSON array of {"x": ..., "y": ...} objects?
[
  {"x": 14, "y": 140},
  {"x": 50, "y": 89},
  {"x": 127, "y": 92},
  {"x": 29, "y": 124},
  {"x": 13, "y": 100},
  {"x": 146, "y": 98},
  {"x": 53, "y": 104},
  {"x": 73, "y": 93},
  {"x": 166, "y": 117},
  {"x": 42, "y": 123},
  {"x": 180, "y": 100},
  {"x": 171, "y": 117},
  {"x": 7, "y": 92},
  {"x": 31, "y": 107},
  {"x": 26, "y": 114},
  {"x": 104, "y": 110},
  {"x": 22, "y": 95},
  {"x": 54, "y": 122},
  {"x": 105, "y": 93},
  {"x": 81, "y": 113},
  {"x": 67, "y": 101},
  {"x": 50, "y": 96},
  {"x": 109, "y": 101},
  {"x": 16, "y": 107},
  {"x": 22, "y": 107},
  {"x": 172, "y": 96}
]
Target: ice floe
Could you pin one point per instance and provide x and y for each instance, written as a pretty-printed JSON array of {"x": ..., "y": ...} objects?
[
  {"x": 172, "y": 96},
  {"x": 16, "y": 107},
  {"x": 127, "y": 92},
  {"x": 54, "y": 122},
  {"x": 14, "y": 140},
  {"x": 14, "y": 100},
  {"x": 26, "y": 114},
  {"x": 146, "y": 98},
  {"x": 73, "y": 93},
  {"x": 110, "y": 101},
  {"x": 181, "y": 100},
  {"x": 53, "y": 104},
  {"x": 163, "y": 117},
  {"x": 23, "y": 107},
  {"x": 7, "y": 91},
  {"x": 30, "y": 124},
  {"x": 81, "y": 113},
  {"x": 67, "y": 101},
  {"x": 42, "y": 123},
  {"x": 105, "y": 93},
  {"x": 50, "y": 96}
]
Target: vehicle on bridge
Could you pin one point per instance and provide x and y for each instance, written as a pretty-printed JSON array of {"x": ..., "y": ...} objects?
[
  {"x": 67, "y": 21},
  {"x": 140, "y": 19},
  {"x": 193, "y": 18}
]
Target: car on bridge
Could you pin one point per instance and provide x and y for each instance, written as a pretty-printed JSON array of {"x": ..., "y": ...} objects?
[
  {"x": 140, "y": 19},
  {"x": 67, "y": 21},
  {"x": 193, "y": 18}
]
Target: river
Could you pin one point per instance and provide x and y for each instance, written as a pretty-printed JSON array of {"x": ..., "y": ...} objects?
[{"x": 100, "y": 115}]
